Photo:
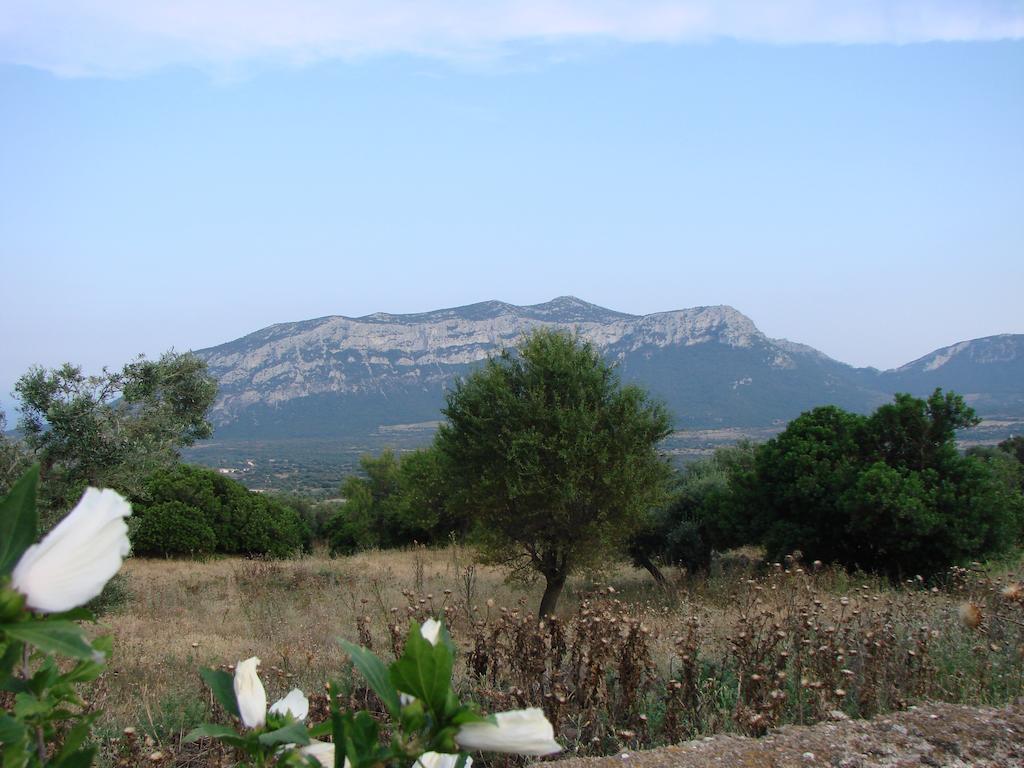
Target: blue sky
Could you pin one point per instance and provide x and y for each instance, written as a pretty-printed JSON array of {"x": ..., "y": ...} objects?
[{"x": 851, "y": 180}]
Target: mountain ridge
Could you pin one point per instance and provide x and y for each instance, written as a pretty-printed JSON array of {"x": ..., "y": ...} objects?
[{"x": 711, "y": 365}]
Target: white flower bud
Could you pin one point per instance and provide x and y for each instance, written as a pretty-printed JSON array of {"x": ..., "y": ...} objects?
[
  {"x": 440, "y": 760},
  {"x": 322, "y": 752},
  {"x": 430, "y": 630},
  {"x": 75, "y": 560},
  {"x": 250, "y": 695},
  {"x": 521, "y": 732},
  {"x": 295, "y": 702}
]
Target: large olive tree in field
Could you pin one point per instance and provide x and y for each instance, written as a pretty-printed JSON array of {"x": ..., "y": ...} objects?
[{"x": 552, "y": 459}]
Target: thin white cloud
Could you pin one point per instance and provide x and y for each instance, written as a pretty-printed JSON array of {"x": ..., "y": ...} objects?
[{"x": 125, "y": 37}]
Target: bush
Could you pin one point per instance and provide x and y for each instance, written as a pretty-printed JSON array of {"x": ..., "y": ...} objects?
[
  {"x": 271, "y": 528},
  {"x": 173, "y": 528},
  {"x": 887, "y": 492},
  {"x": 190, "y": 510},
  {"x": 345, "y": 537},
  {"x": 314, "y": 513}
]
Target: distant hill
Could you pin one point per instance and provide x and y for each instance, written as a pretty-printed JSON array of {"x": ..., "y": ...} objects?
[
  {"x": 989, "y": 372},
  {"x": 335, "y": 376}
]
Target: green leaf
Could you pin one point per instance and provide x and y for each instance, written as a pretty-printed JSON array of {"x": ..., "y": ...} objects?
[
  {"x": 321, "y": 729},
  {"x": 45, "y": 677},
  {"x": 16, "y": 755},
  {"x": 27, "y": 705},
  {"x": 465, "y": 714},
  {"x": 75, "y": 614},
  {"x": 76, "y": 738},
  {"x": 424, "y": 671},
  {"x": 9, "y": 658},
  {"x": 14, "y": 684},
  {"x": 413, "y": 717},
  {"x": 363, "y": 733},
  {"x": 86, "y": 671},
  {"x": 337, "y": 728},
  {"x": 212, "y": 731},
  {"x": 18, "y": 520},
  {"x": 376, "y": 674},
  {"x": 60, "y": 637},
  {"x": 293, "y": 733},
  {"x": 223, "y": 687},
  {"x": 10, "y": 730},
  {"x": 81, "y": 759}
]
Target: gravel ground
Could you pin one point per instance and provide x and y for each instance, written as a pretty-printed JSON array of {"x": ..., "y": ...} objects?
[{"x": 935, "y": 735}]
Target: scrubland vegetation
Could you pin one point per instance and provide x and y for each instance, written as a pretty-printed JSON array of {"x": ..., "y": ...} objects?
[{"x": 626, "y": 664}]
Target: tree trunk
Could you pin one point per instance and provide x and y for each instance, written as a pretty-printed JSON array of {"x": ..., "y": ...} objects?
[
  {"x": 646, "y": 562},
  {"x": 552, "y": 589}
]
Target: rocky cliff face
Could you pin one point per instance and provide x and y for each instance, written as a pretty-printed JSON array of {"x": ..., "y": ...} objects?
[{"x": 710, "y": 364}]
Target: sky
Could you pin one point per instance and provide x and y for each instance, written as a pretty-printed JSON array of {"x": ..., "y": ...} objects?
[{"x": 850, "y": 175}]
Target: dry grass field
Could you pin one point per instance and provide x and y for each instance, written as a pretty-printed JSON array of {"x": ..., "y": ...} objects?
[{"x": 628, "y": 664}]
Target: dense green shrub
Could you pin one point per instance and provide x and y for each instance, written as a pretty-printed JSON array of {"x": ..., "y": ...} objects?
[
  {"x": 887, "y": 492},
  {"x": 315, "y": 513},
  {"x": 270, "y": 528},
  {"x": 173, "y": 528},
  {"x": 209, "y": 507}
]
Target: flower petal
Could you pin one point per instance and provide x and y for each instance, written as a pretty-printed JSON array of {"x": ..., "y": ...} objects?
[
  {"x": 295, "y": 702},
  {"x": 430, "y": 630},
  {"x": 440, "y": 760},
  {"x": 322, "y": 752},
  {"x": 521, "y": 732},
  {"x": 249, "y": 693},
  {"x": 75, "y": 560}
]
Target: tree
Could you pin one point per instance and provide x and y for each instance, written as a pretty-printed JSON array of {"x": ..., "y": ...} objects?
[
  {"x": 914, "y": 433},
  {"x": 1014, "y": 446},
  {"x": 351, "y": 528},
  {"x": 1007, "y": 473},
  {"x": 703, "y": 516},
  {"x": 798, "y": 477},
  {"x": 555, "y": 461},
  {"x": 394, "y": 502},
  {"x": 14, "y": 458},
  {"x": 115, "y": 428},
  {"x": 424, "y": 512},
  {"x": 888, "y": 492},
  {"x": 368, "y": 518}
]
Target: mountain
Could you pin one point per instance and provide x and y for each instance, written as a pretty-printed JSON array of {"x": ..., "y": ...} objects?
[
  {"x": 989, "y": 372},
  {"x": 335, "y": 376}
]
